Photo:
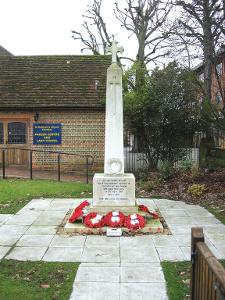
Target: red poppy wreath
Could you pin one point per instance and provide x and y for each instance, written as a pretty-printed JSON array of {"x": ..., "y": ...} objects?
[
  {"x": 150, "y": 212},
  {"x": 134, "y": 222},
  {"x": 79, "y": 211},
  {"x": 94, "y": 220},
  {"x": 115, "y": 219}
]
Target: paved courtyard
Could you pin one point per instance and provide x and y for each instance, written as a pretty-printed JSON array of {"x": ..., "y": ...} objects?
[{"x": 111, "y": 268}]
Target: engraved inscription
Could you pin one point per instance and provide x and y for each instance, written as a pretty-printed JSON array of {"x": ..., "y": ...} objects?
[{"x": 113, "y": 189}]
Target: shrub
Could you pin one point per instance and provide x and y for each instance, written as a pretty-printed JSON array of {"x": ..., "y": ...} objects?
[
  {"x": 197, "y": 189},
  {"x": 185, "y": 165},
  {"x": 142, "y": 174},
  {"x": 166, "y": 170},
  {"x": 150, "y": 185}
]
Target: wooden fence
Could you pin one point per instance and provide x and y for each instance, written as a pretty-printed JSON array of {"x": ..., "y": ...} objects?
[{"x": 207, "y": 274}]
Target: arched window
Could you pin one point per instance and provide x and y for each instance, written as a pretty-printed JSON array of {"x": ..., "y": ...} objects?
[
  {"x": 16, "y": 133},
  {"x": 1, "y": 134}
]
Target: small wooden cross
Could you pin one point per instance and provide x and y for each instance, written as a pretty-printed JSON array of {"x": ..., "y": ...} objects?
[{"x": 114, "y": 50}]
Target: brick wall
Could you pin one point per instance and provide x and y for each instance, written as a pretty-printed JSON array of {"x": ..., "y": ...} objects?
[
  {"x": 215, "y": 86},
  {"x": 82, "y": 133}
]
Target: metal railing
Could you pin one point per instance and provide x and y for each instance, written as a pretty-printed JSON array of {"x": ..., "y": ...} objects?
[{"x": 88, "y": 160}]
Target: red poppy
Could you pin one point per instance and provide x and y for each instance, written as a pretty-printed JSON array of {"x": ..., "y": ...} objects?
[
  {"x": 78, "y": 211},
  {"x": 94, "y": 220},
  {"x": 150, "y": 212},
  {"x": 134, "y": 222},
  {"x": 115, "y": 219}
]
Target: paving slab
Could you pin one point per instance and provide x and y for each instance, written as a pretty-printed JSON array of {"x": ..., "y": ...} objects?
[
  {"x": 218, "y": 252},
  {"x": 142, "y": 273},
  {"x": 97, "y": 274},
  {"x": 143, "y": 291},
  {"x": 100, "y": 254},
  {"x": 183, "y": 240},
  {"x": 96, "y": 240},
  {"x": 201, "y": 221},
  {"x": 95, "y": 291},
  {"x": 63, "y": 254},
  {"x": 41, "y": 230},
  {"x": 136, "y": 241},
  {"x": 100, "y": 264},
  {"x": 199, "y": 212},
  {"x": 187, "y": 252},
  {"x": 49, "y": 218},
  {"x": 37, "y": 204},
  {"x": 164, "y": 241},
  {"x": 68, "y": 241},
  {"x": 61, "y": 205},
  {"x": 35, "y": 240},
  {"x": 9, "y": 239},
  {"x": 139, "y": 264},
  {"x": 170, "y": 254},
  {"x": 4, "y": 218},
  {"x": 168, "y": 204},
  {"x": 27, "y": 253},
  {"x": 13, "y": 229},
  {"x": 3, "y": 251},
  {"x": 214, "y": 229},
  {"x": 25, "y": 218},
  {"x": 218, "y": 240},
  {"x": 180, "y": 229},
  {"x": 126, "y": 267},
  {"x": 139, "y": 254},
  {"x": 179, "y": 221},
  {"x": 174, "y": 213}
]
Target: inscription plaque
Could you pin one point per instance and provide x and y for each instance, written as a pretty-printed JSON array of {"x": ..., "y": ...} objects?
[{"x": 115, "y": 190}]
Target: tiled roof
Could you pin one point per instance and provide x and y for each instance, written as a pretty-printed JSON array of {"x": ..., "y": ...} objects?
[
  {"x": 3, "y": 51},
  {"x": 220, "y": 53},
  {"x": 28, "y": 82}
]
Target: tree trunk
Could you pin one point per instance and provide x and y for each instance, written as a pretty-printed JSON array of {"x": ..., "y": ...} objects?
[{"x": 208, "y": 49}]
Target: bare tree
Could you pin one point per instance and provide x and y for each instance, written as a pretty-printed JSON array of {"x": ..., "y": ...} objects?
[
  {"x": 95, "y": 36},
  {"x": 145, "y": 19},
  {"x": 202, "y": 23}
]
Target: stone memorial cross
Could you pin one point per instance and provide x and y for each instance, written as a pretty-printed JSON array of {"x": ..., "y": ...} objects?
[
  {"x": 114, "y": 153},
  {"x": 114, "y": 188},
  {"x": 114, "y": 50}
]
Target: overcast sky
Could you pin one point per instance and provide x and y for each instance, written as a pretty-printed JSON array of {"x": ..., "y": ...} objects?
[{"x": 43, "y": 27}]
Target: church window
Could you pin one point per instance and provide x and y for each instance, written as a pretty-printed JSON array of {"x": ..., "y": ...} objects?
[{"x": 17, "y": 133}]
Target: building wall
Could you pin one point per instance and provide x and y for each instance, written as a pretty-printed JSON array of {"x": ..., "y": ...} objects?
[
  {"x": 215, "y": 85},
  {"x": 82, "y": 133}
]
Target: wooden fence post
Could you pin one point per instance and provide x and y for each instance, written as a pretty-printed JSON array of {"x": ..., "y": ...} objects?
[{"x": 196, "y": 236}]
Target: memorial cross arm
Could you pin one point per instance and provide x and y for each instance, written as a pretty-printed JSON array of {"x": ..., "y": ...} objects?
[{"x": 114, "y": 50}]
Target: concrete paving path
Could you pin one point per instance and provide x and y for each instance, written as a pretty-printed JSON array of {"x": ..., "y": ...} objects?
[{"x": 111, "y": 268}]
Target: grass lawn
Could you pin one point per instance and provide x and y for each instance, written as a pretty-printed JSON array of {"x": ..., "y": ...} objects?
[
  {"x": 36, "y": 280},
  {"x": 217, "y": 212},
  {"x": 15, "y": 193},
  {"x": 177, "y": 275}
]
